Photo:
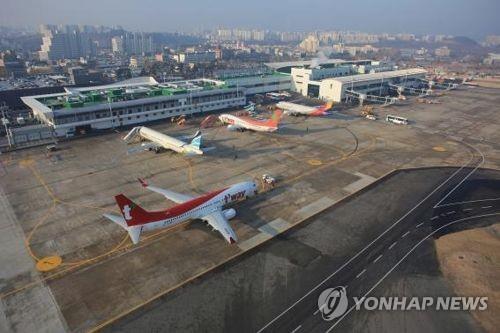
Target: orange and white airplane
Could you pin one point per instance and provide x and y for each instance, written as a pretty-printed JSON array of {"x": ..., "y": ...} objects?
[
  {"x": 242, "y": 123},
  {"x": 294, "y": 109},
  {"x": 208, "y": 207}
]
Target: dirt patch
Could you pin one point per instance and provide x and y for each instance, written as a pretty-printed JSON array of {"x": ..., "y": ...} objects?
[
  {"x": 491, "y": 82},
  {"x": 470, "y": 260}
]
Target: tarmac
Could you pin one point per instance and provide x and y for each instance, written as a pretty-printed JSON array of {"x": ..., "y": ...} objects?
[
  {"x": 276, "y": 288},
  {"x": 54, "y": 202}
]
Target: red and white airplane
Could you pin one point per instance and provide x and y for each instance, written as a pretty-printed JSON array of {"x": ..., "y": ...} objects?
[
  {"x": 242, "y": 123},
  {"x": 294, "y": 109},
  {"x": 208, "y": 207}
]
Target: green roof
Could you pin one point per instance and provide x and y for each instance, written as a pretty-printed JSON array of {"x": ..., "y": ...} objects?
[{"x": 116, "y": 94}]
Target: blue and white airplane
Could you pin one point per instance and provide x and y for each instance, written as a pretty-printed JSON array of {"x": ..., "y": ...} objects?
[{"x": 159, "y": 141}]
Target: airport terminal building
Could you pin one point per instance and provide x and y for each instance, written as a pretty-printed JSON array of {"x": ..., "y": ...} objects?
[
  {"x": 143, "y": 99},
  {"x": 376, "y": 84},
  {"x": 337, "y": 79}
]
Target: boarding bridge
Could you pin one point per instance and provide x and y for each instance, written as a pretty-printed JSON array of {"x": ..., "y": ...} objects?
[
  {"x": 362, "y": 97},
  {"x": 433, "y": 84},
  {"x": 421, "y": 92}
]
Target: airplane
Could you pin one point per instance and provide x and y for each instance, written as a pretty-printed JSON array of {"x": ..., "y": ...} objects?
[
  {"x": 160, "y": 141},
  {"x": 294, "y": 109},
  {"x": 241, "y": 123},
  {"x": 208, "y": 207}
]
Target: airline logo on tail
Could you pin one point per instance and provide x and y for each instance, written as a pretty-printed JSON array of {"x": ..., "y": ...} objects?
[
  {"x": 326, "y": 107},
  {"x": 126, "y": 212},
  {"x": 323, "y": 109},
  {"x": 196, "y": 142}
]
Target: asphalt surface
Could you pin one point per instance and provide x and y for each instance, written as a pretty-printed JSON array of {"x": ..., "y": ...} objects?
[{"x": 378, "y": 242}]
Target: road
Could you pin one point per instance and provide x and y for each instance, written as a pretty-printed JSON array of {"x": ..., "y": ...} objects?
[{"x": 368, "y": 244}]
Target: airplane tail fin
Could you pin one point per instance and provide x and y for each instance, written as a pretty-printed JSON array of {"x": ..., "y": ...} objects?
[
  {"x": 191, "y": 137},
  {"x": 275, "y": 118},
  {"x": 132, "y": 213},
  {"x": 196, "y": 142}
]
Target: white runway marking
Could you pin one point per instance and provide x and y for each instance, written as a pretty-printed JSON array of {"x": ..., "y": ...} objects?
[
  {"x": 452, "y": 212},
  {"x": 467, "y": 209},
  {"x": 405, "y": 234},
  {"x": 296, "y": 329},
  {"x": 465, "y": 178},
  {"x": 374, "y": 240},
  {"x": 404, "y": 257},
  {"x": 361, "y": 273},
  {"x": 465, "y": 202},
  {"x": 435, "y": 217},
  {"x": 392, "y": 245},
  {"x": 486, "y": 207},
  {"x": 377, "y": 259},
  {"x": 418, "y": 225}
]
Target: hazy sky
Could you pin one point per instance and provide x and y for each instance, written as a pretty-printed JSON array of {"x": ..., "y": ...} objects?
[{"x": 474, "y": 18}]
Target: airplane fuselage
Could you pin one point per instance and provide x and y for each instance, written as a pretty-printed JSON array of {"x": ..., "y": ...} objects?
[
  {"x": 168, "y": 142},
  {"x": 294, "y": 109},
  {"x": 246, "y": 123},
  {"x": 199, "y": 207}
]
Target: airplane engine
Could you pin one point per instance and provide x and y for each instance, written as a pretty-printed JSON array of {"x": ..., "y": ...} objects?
[
  {"x": 229, "y": 213},
  {"x": 233, "y": 128}
]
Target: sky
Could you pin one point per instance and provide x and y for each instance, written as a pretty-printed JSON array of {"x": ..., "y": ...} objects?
[{"x": 472, "y": 18}]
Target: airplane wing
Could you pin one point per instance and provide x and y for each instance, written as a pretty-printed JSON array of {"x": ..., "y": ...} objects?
[
  {"x": 144, "y": 146},
  {"x": 117, "y": 219},
  {"x": 170, "y": 195},
  {"x": 190, "y": 137},
  {"x": 218, "y": 222}
]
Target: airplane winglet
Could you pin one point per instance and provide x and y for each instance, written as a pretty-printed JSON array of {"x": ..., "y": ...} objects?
[{"x": 143, "y": 182}]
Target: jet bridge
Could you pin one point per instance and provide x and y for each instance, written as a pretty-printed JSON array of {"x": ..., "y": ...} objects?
[
  {"x": 433, "y": 84},
  {"x": 400, "y": 89},
  {"x": 362, "y": 97}
]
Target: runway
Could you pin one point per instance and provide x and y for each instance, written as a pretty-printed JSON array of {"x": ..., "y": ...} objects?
[{"x": 402, "y": 237}]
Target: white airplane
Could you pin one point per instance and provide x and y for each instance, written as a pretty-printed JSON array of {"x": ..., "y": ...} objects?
[
  {"x": 294, "y": 109},
  {"x": 160, "y": 141},
  {"x": 208, "y": 207},
  {"x": 241, "y": 123}
]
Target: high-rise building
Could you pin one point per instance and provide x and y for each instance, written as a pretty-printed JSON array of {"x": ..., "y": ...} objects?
[
  {"x": 64, "y": 42},
  {"x": 218, "y": 53},
  {"x": 138, "y": 43},
  {"x": 11, "y": 65},
  {"x": 224, "y": 34},
  {"x": 117, "y": 44},
  {"x": 310, "y": 44}
]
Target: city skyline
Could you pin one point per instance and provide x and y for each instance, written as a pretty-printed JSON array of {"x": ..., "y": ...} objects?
[{"x": 475, "y": 20}]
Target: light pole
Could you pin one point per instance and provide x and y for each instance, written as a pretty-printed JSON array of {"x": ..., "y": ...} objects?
[
  {"x": 111, "y": 113},
  {"x": 4, "y": 121}
]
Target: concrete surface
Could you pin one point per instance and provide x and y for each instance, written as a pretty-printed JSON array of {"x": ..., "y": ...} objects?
[
  {"x": 58, "y": 199},
  {"x": 249, "y": 293}
]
